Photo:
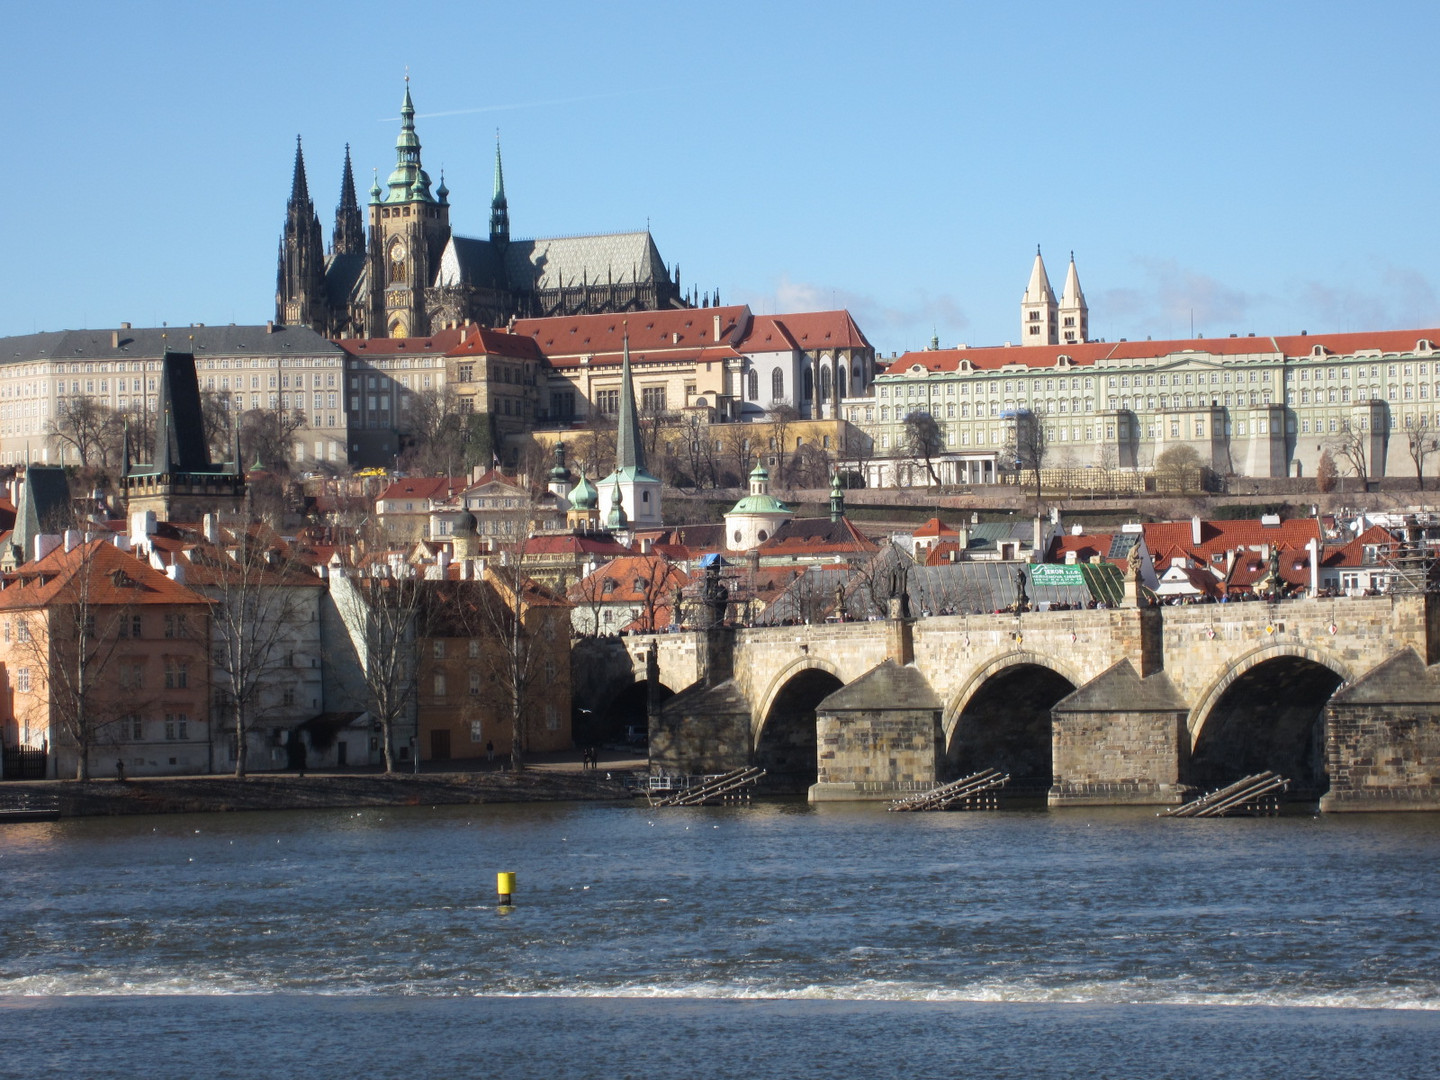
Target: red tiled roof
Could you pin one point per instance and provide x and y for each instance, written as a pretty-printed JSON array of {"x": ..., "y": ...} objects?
[
  {"x": 639, "y": 359},
  {"x": 1085, "y": 546},
  {"x": 934, "y": 527},
  {"x": 1221, "y": 536},
  {"x": 423, "y": 487},
  {"x": 106, "y": 575},
  {"x": 659, "y": 576},
  {"x": 582, "y": 335},
  {"x": 823, "y": 330},
  {"x": 993, "y": 357},
  {"x": 437, "y": 344},
  {"x": 1353, "y": 553},
  {"x": 483, "y": 342}
]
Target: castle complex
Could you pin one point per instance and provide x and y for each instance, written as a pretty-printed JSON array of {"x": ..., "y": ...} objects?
[{"x": 401, "y": 272}]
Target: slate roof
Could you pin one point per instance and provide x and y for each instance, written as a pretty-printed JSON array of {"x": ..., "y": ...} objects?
[
  {"x": 342, "y": 276},
  {"x": 552, "y": 262},
  {"x": 816, "y": 536},
  {"x": 150, "y": 343}
]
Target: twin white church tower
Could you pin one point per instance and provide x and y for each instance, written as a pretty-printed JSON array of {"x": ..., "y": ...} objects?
[{"x": 1043, "y": 321}]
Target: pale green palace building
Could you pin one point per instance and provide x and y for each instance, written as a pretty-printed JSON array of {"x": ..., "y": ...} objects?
[{"x": 1250, "y": 406}]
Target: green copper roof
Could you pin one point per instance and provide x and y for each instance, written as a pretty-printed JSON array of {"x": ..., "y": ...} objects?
[
  {"x": 759, "y": 472},
  {"x": 408, "y": 182},
  {"x": 583, "y": 495},
  {"x": 760, "y": 504}
]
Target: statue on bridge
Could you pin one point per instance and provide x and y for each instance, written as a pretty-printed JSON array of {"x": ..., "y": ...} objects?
[
  {"x": 717, "y": 596},
  {"x": 1022, "y": 599},
  {"x": 900, "y": 590}
]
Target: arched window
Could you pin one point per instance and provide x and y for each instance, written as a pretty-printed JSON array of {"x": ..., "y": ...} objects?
[
  {"x": 809, "y": 384},
  {"x": 824, "y": 384},
  {"x": 753, "y": 389},
  {"x": 843, "y": 373},
  {"x": 777, "y": 385},
  {"x": 397, "y": 263}
]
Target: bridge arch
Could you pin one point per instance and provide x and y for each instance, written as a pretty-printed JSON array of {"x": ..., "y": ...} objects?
[
  {"x": 1000, "y": 718},
  {"x": 784, "y": 735},
  {"x": 1265, "y": 711},
  {"x": 622, "y": 705}
]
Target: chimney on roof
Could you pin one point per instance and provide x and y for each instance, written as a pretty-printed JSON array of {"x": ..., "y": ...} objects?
[
  {"x": 210, "y": 526},
  {"x": 1195, "y": 530},
  {"x": 269, "y": 326},
  {"x": 45, "y": 543},
  {"x": 176, "y": 572},
  {"x": 114, "y": 339},
  {"x": 124, "y": 326},
  {"x": 72, "y": 539},
  {"x": 717, "y": 326}
]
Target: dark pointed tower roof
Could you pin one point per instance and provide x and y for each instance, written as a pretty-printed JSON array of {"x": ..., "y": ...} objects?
[
  {"x": 499, "y": 207},
  {"x": 629, "y": 451},
  {"x": 299, "y": 189},
  {"x": 349, "y": 235}
]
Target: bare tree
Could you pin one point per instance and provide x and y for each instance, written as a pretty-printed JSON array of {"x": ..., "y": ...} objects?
[
  {"x": 266, "y": 436},
  {"x": 810, "y": 466},
  {"x": 1026, "y": 447},
  {"x": 1352, "y": 447},
  {"x": 434, "y": 430},
  {"x": 260, "y": 598},
  {"x": 384, "y": 612},
  {"x": 597, "y": 444},
  {"x": 525, "y": 629},
  {"x": 782, "y": 416},
  {"x": 1422, "y": 443},
  {"x": 738, "y": 454},
  {"x": 219, "y": 414},
  {"x": 923, "y": 440},
  {"x": 696, "y": 450},
  {"x": 1177, "y": 469},
  {"x": 88, "y": 427},
  {"x": 75, "y": 640},
  {"x": 1325, "y": 473}
]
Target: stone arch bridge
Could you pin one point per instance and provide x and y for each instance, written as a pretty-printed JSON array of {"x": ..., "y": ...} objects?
[{"x": 1085, "y": 707}]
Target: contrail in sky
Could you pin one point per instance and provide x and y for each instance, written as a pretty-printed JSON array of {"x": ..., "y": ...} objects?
[{"x": 509, "y": 108}]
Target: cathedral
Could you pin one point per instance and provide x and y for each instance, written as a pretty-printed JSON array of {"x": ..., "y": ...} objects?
[{"x": 405, "y": 274}]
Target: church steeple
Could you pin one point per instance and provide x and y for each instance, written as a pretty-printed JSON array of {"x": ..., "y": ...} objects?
[
  {"x": 409, "y": 228},
  {"x": 300, "y": 273},
  {"x": 1074, "y": 313},
  {"x": 349, "y": 235},
  {"x": 1039, "y": 321},
  {"x": 629, "y": 451},
  {"x": 633, "y": 489},
  {"x": 408, "y": 181},
  {"x": 499, "y": 208}
]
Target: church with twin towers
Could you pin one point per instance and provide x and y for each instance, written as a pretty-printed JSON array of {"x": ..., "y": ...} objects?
[{"x": 396, "y": 269}]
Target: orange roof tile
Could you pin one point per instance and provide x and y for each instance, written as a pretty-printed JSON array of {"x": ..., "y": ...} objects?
[{"x": 96, "y": 571}]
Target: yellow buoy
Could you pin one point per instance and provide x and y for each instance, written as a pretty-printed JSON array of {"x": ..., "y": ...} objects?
[{"x": 505, "y": 885}]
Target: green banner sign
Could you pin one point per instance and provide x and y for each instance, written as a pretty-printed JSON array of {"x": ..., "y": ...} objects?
[{"x": 1054, "y": 574}]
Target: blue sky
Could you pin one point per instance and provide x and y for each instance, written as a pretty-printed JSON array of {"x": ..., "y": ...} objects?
[{"x": 1266, "y": 167}]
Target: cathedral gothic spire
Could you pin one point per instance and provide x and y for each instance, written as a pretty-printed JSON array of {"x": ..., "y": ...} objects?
[
  {"x": 1039, "y": 319},
  {"x": 349, "y": 235},
  {"x": 499, "y": 208},
  {"x": 300, "y": 275}
]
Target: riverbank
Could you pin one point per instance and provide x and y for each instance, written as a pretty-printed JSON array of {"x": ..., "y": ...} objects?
[{"x": 286, "y": 791}]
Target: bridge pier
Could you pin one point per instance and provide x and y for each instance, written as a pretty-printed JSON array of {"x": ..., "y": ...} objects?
[
  {"x": 1120, "y": 740},
  {"x": 878, "y": 738},
  {"x": 1382, "y": 739}
]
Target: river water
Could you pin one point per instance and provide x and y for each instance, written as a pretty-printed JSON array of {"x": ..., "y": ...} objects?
[{"x": 776, "y": 939}]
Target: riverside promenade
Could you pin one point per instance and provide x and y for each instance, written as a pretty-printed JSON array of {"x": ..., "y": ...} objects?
[{"x": 548, "y": 778}]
